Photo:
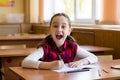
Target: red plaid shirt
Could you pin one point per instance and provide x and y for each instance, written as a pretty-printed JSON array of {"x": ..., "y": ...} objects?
[{"x": 67, "y": 51}]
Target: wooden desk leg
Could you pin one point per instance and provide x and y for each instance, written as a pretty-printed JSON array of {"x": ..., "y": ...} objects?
[{"x": 10, "y": 62}]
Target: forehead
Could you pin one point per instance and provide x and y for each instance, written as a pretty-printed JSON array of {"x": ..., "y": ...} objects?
[{"x": 60, "y": 19}]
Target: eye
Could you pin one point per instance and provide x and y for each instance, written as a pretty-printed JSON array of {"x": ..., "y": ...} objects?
[
  {"x": 55, "y": 26},
  {"x": 63, "y": 27}
]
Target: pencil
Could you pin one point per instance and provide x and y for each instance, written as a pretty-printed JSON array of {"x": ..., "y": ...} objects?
[{"x": 105, "y": 70}]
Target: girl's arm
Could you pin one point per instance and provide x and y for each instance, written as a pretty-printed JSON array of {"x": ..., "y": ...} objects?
[
  {"x": 81, "y": 53},
  {"x": 32, "y": 61},
  {"x": 83, "y": 57}
]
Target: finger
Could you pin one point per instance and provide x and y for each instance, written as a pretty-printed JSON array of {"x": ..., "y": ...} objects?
[
  {"x": 60, "y": 64},
  {"x": 73, "y": 64}
]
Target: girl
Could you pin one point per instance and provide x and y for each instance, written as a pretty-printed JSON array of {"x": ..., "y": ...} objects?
[{"x": 58, "y": 48}]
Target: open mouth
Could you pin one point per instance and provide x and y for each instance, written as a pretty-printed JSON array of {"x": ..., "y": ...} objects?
[{"x": 59, "y": 36}]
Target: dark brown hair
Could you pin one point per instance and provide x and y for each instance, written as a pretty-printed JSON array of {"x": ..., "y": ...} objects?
[{"x": 61, "y": 14}]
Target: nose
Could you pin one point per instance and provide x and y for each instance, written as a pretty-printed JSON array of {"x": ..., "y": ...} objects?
[{"x": 60, "y": 28}]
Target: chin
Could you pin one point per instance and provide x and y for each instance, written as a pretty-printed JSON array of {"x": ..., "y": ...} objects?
[{"x": 59, "y": 42}]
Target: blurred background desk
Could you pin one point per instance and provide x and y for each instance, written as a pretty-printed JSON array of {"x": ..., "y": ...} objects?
[
  {"x": 30, "y": 40},
  {"x": 95, "y": 49},
  {"x": 103, "y": 53},
  {"x": 10, "y": 58}
]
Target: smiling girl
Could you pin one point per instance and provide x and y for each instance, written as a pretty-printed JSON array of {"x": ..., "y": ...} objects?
[{"x": 58, "y": 48}]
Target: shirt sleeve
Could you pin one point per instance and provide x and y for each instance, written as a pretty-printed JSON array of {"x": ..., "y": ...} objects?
[
  {"x": 32, "y": 60},
  {"x": 83, "y": 54}
]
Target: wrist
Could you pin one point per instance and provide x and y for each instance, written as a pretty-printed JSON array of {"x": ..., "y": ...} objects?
[
  {"x": 84, "y": 61},
  {"x": 45, "y": 65}
]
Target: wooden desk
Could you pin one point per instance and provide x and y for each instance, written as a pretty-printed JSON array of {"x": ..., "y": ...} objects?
[
  {"x": 113, "y": 74},
  {"x": 32, "y": 74},
  {"x": 12, "y": 57},
  {"x": 97, "y": 49},
  {"x": 103, "y": 53},
  {"x": 15, "y": 52},
  {"x": 31, "y": 40}
]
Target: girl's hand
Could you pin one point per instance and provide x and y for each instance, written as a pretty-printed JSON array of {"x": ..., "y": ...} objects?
[
  {"x": 78, "y": 63},
  {"x": 57, "y": 64}
]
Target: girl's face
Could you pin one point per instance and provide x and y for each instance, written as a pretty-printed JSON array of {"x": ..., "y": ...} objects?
[{"x": 59, "y": 29}]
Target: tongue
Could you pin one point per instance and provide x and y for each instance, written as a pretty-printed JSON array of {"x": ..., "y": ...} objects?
[{"x": 58, "y": 37}]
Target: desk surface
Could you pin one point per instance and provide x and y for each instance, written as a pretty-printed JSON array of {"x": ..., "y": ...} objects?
[
  {"x": 32, "y": 74},
  {"x": 15, "y": 52},
  {"x": 22, "y": 36},
  {"x": 27, "y": 51},
  {"x": 96, "y": 48}
]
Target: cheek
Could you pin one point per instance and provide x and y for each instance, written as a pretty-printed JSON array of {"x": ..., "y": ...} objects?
[{"x": 67, "y": 32}]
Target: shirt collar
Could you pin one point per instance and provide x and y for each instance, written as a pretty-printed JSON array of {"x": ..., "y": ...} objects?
[{"x": 63, "y": 47}]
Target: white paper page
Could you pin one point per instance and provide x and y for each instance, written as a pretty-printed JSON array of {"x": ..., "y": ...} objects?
[{"x": 66, "y": 68}]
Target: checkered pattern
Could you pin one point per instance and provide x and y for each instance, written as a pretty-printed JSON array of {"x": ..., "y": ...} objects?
[{"x": 67, "y": 51}]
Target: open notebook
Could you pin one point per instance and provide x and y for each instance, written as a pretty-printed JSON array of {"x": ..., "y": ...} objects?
[{"x": 80, "y": 69}]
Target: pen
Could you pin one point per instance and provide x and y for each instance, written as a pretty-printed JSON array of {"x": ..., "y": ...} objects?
[
  {"x": 60, "y": 58},
  {"x": 105, "y": 70},
  {"x": 99, "y": 73},
  {"x": 78, "y": 70}
]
